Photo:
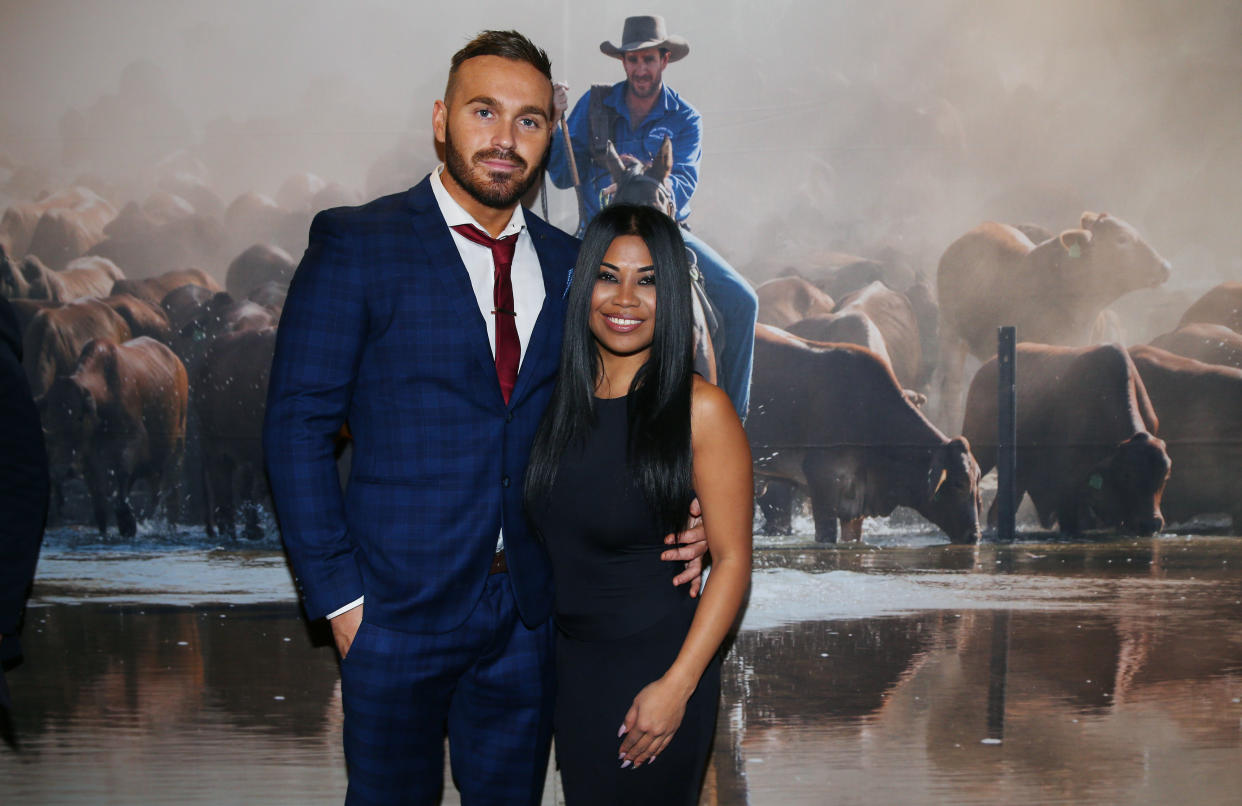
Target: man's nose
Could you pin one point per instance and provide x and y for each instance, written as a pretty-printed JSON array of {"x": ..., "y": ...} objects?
[{"x": 504, "y": 136}]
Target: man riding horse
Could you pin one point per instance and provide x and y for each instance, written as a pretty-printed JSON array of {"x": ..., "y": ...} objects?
[{"x": 637, "y": 115}]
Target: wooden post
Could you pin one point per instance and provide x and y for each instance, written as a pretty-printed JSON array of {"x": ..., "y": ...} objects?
[{"x": 1007, "y": 435}]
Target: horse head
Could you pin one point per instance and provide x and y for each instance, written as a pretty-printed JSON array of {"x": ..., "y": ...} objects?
[{"x": 648, "y": 187}]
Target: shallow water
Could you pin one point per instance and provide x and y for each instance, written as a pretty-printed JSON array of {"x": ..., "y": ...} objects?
[{"x": 906, "y": 672}]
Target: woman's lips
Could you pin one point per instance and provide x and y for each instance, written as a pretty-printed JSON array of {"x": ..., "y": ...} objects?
[{"x": 622, "y": 324}]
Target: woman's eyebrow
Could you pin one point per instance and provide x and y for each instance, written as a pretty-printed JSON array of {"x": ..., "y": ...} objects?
[{"x": 618, "y": 268}]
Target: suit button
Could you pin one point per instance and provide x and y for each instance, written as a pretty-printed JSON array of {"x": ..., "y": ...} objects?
[
  {"x": 508, "y": 416},
  {"x": 504, "y": 482}
]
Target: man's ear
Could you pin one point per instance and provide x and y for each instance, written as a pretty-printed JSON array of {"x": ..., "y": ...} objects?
[{"x": 439, "y": 120}]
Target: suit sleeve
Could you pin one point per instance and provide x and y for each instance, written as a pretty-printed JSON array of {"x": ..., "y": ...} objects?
[
  {"x": 687, "y": 154},
  {"x": 23, "y": 485},
  {"x": 558, "y": 164},
  {"x": 319, "y": 343}
]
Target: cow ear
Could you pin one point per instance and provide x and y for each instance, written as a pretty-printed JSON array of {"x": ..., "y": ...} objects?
[
  {"x": 615, "y": 168},
  {"x": 662, "y": 165},
  {"x": 1075, "y": 241},
  {"x": 1090, "y": 219}
]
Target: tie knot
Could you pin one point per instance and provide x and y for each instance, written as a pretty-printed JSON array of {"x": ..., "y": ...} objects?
[{"x": 502, "y": 248}]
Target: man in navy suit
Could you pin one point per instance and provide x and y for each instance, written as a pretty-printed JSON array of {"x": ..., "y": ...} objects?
[
  {"x": 431, "y": 321},
  {"x": 23, "y": 491}
]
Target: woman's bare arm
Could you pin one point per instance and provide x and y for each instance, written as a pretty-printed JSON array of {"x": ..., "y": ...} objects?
[{"x": 723, "y": 482}]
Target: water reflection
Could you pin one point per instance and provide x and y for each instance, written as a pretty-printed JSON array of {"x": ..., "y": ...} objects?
[
  {"x": 1050, "y": 673},
  {"x": 1131, "y": 699}
]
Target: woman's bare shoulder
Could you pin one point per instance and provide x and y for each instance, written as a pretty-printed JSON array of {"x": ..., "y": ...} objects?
[{"x": 710, "y": 406}]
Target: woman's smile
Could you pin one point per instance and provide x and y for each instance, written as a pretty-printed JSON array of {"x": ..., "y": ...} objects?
[{"x": 623, "y": 302}]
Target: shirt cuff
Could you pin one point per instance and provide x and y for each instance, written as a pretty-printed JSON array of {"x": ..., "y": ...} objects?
[{"x": 355, "y": 603}]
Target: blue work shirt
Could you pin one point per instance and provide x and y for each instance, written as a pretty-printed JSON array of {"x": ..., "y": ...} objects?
[{"x": 669, "y": 116}]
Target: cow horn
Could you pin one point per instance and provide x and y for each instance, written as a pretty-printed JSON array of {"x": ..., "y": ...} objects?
[{"x": 944, "y": 474}]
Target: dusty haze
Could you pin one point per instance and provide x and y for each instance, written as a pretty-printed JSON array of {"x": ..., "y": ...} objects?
[{"x": 878, "y": 128}]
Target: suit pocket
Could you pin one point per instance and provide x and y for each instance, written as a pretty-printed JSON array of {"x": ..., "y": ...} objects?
[{"x": 357, "y": 643}]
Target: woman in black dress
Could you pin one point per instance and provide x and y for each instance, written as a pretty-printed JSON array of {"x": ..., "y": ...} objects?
[{"x": 632, "y": 436}]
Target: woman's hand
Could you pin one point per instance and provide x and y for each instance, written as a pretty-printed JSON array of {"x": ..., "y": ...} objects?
[{"x": 652, "y": 720}]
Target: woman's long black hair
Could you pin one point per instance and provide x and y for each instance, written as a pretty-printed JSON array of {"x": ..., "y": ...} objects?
[{"x": 658, "y": 411}]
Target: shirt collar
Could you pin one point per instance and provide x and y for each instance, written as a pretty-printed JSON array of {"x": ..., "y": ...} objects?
[{"x": 454, "y": 214}]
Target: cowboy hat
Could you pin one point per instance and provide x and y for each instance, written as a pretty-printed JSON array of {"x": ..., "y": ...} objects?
[{"x": 646, "y": 32}]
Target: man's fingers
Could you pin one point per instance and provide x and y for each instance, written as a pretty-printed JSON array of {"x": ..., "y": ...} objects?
[
  {"x": 686, "y": 552},
  {"x": 560, "y": 97},
  {"x": 694, "y": 567}
]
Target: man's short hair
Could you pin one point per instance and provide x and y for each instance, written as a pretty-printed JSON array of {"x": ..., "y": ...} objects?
[{"x": 505, "y": 44}]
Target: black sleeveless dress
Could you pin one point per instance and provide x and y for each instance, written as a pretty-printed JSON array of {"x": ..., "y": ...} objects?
[{"x": 621, "y": 625}]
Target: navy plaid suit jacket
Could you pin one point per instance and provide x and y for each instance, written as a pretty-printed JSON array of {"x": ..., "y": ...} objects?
[{"x": 382, "y": 329}]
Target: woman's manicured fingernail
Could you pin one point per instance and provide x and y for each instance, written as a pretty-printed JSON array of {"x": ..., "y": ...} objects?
[
  {"x": 621, "y": 730},
  {"x": 626, "y": 763}
]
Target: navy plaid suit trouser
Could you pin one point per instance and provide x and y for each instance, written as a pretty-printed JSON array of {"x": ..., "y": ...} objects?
[{"x": 490, "y": 681}]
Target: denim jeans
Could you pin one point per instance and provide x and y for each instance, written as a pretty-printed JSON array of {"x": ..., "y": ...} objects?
[{"x": 738, "y": 307}]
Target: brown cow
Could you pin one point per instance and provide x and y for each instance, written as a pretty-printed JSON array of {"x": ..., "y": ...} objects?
[
  {"x": 55, "y": 337},
  {"x": 257, "y": 265},
  {"x": 1087, "y": 453},
  {"x": 230, "y": 394},
  {"x": 849, "y": 327},
  {"x": 894, "y": 316},
  {"x": 184, "y": 303},
  {"x": 118, "y": 418},
  {"x": 82, "y": 277},
  {"x": 143, "y": 318},
  {"x": 1211, "y": 344},
  {"x": 18, "y": 224},
  {"x": 26, "y": 310},
  {"x": 994, "y": 275},
  {"x": 63, "y": 234},
  {"x": 254, "y": 218},
  {"x": 144, "y": 245},
  {"x": 833, "y": 418},
  {"x": 155, "y": 289},
  {"x": 786, "y": 300},
  {"x": 270, "y": 295},
  {"x": 221, "y": 314},
  {"x": 1221, "y": 305},
  {"x": 1200, "y": 411}
]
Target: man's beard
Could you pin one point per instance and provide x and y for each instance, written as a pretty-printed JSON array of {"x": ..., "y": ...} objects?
[
  {"x": 652, "y": 87},
  {"x": 504, "y": 190}
]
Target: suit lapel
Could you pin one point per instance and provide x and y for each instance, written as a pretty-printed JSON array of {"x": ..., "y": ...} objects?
[
  {"x": 446, "y": 264},
  {"x": 555, "y": 265}
]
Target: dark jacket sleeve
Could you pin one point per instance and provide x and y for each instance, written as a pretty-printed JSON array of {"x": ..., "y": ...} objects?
[
  {"x": 323, "y": 329},
  {"x": 23, "y": 483}
]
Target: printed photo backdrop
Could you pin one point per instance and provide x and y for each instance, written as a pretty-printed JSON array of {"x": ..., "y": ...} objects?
[{"x": 189, "y": 145}]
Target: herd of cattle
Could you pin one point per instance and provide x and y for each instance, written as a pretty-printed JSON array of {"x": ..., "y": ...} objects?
[
  {"x": 1108, "y": 438},
  {"x": 146, "y": 368}
]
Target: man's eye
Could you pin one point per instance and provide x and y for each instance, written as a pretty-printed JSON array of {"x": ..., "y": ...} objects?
[
  {"x": 529, "y": 123},
  {"x": 484, "y": 113}
]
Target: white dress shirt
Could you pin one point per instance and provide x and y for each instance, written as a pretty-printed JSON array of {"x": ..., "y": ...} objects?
[{"x": 525, "y": 273}]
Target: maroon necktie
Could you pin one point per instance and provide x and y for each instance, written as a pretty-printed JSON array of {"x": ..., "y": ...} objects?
[{"x": 508, "y": 348}]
